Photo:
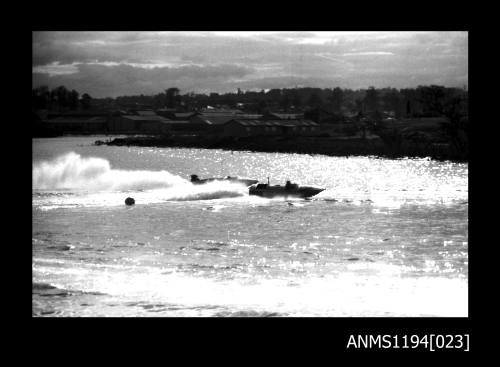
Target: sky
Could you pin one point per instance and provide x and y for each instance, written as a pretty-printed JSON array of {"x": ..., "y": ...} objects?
[{"x": 111, "y": 64}]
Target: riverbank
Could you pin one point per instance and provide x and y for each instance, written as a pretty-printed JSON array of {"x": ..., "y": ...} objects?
[{"x": 383, "y": 145}]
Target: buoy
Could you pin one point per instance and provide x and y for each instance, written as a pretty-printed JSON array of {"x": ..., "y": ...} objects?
[{"x": 129, "y": 201}]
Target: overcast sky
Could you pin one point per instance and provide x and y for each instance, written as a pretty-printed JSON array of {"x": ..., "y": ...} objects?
[{"x": 109, "y": 64}]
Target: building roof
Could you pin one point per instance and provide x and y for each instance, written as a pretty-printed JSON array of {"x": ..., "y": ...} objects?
[
  {"x": 97, "y": 119},
  {"x": 283, "y": 123},
  {"x": 286, "y": 116},
  {"x": 166, "y": 109},
  {"x": 222, "y": 118},
  {"x": 216, "y": 118},
  {"x": 248, "y": 116},
  {"x": 173, "y": 122},
  {"x": 222, "y": 110},
  {"x": 65, "y": 120},
  {"x": 146, "y": 113},
  {"x": 182, "y": 115},
  {"x": 146, "y": 118}
]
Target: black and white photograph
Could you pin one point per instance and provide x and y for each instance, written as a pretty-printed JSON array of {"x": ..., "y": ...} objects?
[{"x": 282, "y": 174}]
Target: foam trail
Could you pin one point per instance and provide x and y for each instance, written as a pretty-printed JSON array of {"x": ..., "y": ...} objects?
[
  {"x": 71, "y": 171},
  {"x": 381, "y": 294},
  {"x": 95, "y": 183},
  {"x": 208, "y": 191}
]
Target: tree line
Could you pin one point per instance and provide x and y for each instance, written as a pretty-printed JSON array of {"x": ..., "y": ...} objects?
[
  {"x": 59, "y": 99},
  {"x": 423, "y": 101}
]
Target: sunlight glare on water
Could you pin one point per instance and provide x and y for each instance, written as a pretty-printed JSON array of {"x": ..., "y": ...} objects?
[{"x": 386, "y": 237}]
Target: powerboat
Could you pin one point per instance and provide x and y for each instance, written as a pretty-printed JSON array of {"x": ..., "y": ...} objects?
[
  {"x": 289, "y": 190},
  {"x": 246, "y": 181}
]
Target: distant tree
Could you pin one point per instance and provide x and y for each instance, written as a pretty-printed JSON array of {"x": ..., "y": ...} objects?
[
  {"x": 35, "y": 100},
  {"x": 296, "y": 99},
  {"x": 336, "y": 99},
  {"x": 376, "y": 116},
  {"x": 285, "y": 102},
  {"x": 172, "y": 97},
  {"x": 371, "y": 100},
  {"x": 73, "y": 100},
  {"x": 458, "y": 128},
  {"x": 312, "y": 114},
  {"x": 393, "y": 101},
  {"x": 314, "y": 100},
  {"x": 40, "y": 98},
  {"x": 262, "y": 107},
  {"x": 60, "y": 96},
  {"x": 432, "y": 99},
  {"x": 454, "y": 110},
  {"x": 159, "y": 100},
  {"x": 86, "y": 101},
  {"x": 359, "y": 106}
]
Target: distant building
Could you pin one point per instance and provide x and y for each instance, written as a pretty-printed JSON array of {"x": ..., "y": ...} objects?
[
  {"x": 136, "y": 106},
  {"x": 168, "y": 113},
  {"x": 322, "y": 116},
  {"x": 210, "y": 109},
  {"x": 219, "y": 118},
  {"x": 118, "y": 112},
  {"x": 77, "y": 125},
  {"x": 76, "y": 114},
  {"x": 145, "y": 113},
  {"x": 214, "y": 122},
  {"x": 145, "y": 124},
  {"x": 282, "y": 116},
  {"x": 40, "y": 115},
  {"x": 184, "y": 127},
  {"x": 244, "y": 128},
  {"x": 183, "y": 116}
]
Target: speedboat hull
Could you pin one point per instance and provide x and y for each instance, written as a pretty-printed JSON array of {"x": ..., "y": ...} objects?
[
  {"x": 282, "y": 191},
  {"x": 244, "y": 181}
]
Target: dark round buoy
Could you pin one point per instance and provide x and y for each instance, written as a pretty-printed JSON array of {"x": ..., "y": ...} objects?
[{"x": 129, "y": 201}]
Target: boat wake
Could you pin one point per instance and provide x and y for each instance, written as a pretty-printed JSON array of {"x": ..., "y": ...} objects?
[
  {"x": 383, "y": 291},
  {"x": 74, "y": 172},
  {"x": 72, "y": 180}
]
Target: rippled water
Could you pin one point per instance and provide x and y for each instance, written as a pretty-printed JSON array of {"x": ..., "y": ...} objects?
[{"x": 386, "y": 237}]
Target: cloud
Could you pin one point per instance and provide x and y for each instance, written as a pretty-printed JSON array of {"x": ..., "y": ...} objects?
[
  {"x": 101, "y": 61},
  {"x": 56, "y": 69},
  {"x": 113, "y": 80},
  {"x": 368, "y": 53}
]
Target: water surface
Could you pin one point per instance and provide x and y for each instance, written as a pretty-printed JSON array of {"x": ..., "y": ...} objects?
[{"x": 386, "y": 238}]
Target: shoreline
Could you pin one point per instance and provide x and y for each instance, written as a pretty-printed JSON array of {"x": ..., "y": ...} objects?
[{"x": 329, "y": 146}]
